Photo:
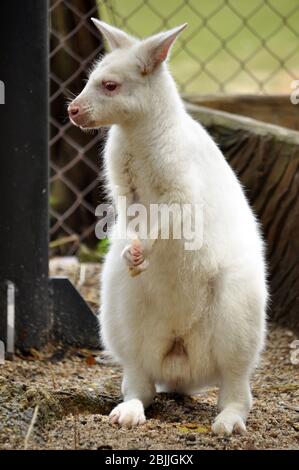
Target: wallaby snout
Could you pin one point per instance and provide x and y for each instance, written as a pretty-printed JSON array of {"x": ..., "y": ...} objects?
[{"x": 80, "y": 114}]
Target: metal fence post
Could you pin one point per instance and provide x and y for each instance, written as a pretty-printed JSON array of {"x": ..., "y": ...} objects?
[
  {"x": 24, "y": 188},
  {"x": 24, "y": 173}
]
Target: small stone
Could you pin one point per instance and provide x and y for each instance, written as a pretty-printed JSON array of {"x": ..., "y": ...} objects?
[
  {"x": 190, "y": 437},
  {"x": 104, "y": 447}
]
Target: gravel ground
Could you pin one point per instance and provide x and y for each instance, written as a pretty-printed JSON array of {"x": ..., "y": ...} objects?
[{"x": 71, "y": 392}]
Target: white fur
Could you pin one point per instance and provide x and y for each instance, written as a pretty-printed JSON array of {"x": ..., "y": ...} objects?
[{"x": 213, "y": 299}]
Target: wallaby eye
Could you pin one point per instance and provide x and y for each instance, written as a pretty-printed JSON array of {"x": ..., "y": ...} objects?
[{"x": 110, "y": 86}]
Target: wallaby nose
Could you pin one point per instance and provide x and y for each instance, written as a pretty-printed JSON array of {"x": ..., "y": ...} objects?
[
  {"x": 73, "y": 110},
  {"x": 79, "y": 114}
]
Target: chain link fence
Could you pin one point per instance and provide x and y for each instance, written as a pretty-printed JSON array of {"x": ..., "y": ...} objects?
[
  {"x": 231, "y": 46},
  {"x": 74, "y": 162}
]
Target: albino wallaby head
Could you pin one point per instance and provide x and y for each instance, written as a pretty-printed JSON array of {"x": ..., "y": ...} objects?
[{"x": 123, "y": 84}]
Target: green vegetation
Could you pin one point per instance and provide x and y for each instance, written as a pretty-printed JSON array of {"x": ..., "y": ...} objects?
[{"x": 94, "y": 255}]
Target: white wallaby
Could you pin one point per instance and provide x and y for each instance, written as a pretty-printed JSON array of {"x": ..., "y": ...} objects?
[{"x": 192, "y": 318}]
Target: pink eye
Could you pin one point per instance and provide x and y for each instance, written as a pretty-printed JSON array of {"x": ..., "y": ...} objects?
[{"x": 110, "y": 86}]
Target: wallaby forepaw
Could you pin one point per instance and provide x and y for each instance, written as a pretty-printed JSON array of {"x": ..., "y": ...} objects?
[
  {"x": 133, "y": 255},
  {"x": 228, "y": 422},
  {"x": 129, "y": 413}
]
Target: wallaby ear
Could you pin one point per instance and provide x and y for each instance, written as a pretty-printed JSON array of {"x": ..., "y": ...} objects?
[
  {"x": 116, "y": 38},
  {"x": 155, "y": 49}
]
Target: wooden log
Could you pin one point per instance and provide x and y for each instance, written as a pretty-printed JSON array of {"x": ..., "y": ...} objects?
[
  {"x": 274, "y": 109},
  {"x": 266, "y": 159}
]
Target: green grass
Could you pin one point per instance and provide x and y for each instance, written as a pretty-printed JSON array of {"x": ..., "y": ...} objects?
[{"x": 225, "y": 36}]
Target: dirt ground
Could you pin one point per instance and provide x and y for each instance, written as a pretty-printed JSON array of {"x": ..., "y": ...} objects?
[{"x": 61, "y": 399}]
